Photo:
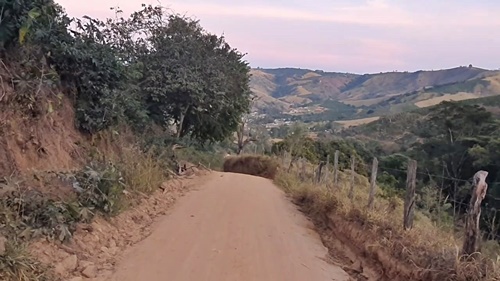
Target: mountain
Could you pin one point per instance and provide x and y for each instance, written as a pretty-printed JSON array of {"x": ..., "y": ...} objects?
[{"x": 368, "y": 95}]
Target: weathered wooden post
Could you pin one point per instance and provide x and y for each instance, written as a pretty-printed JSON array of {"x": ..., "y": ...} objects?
[
  {"x": 319, "y": 171},
  {"x": 351, "y": 190},
  {"x": 327, "y": 170},
  {"x": 336, "y": 168},
  {"x": 472, "y": 231},
  {"x": 373, "y": 183},
  {"x": 411, "y": 182},
  {"x": 303, "y": 169}
]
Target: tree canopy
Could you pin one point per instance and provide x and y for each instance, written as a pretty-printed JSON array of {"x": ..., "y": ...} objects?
[{"x": 152, "y": 67}]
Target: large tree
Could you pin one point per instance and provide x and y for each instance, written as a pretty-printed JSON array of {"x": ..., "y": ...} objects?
[{"x": 190, "y": 78}]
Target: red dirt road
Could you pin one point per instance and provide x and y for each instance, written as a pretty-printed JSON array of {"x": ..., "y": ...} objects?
[{"x": 235, "y": 227}]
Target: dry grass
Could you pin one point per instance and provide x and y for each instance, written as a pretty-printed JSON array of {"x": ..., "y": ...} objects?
[
  {"x": 357, "y": 122},
  {"x": 255, "y": 165},
  {"x": 426, "y": 252},
  {"x": 446, "y": 97},
  {"x": 17, "y": 265}
]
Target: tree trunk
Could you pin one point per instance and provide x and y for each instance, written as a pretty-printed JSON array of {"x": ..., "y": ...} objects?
[{"x": 180, "y": 127}]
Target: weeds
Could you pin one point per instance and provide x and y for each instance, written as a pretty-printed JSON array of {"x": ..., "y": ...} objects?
[
  {"x": 16, "y": 265},
  {"x": 427, "y": 252},
  {"x": 100, "y": 186}
]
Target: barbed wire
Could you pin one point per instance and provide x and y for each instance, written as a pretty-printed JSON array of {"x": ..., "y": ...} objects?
[{"x": 368, "y": 166}]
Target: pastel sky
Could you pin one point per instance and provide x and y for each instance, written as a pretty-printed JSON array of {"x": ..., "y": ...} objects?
[{"x": 360, "y": 36}]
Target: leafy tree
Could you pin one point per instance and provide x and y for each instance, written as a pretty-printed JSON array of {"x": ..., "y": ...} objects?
[{"x": 189, "y": 77}]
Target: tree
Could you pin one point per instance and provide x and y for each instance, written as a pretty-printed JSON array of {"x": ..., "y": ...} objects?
[{"x": 190, "y": 78}]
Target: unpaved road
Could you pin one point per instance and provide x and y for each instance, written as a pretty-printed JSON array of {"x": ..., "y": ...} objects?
[{"x": 235, "y": 227}]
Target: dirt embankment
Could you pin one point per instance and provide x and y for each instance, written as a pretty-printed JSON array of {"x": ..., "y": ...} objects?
[{"x": 96, "y": 247}]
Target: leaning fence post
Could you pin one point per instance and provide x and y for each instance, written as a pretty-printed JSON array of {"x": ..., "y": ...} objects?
[
  {"x": 473, "y": 214},
  {"x": 373, "y": 183},
  {"x": 409, "y": 206},
  {"x": 351, "y": 190}
]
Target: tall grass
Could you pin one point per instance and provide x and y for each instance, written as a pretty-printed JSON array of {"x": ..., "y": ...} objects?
[
  {"x": 17, "y": 265},
  {"x": 427, "y": 252}
]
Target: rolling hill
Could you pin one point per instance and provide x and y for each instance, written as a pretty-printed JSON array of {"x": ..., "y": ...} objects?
[{"x": 283, "y": 90}]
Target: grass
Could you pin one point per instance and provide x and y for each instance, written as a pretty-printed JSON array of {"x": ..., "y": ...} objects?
[
  {"x": 17, "y": 265},
  {"x": 446, "y": 97},
  {"x": 357, "y": 122},
  {"x": 212, "y": 160},
  {"x": 427, "y": 252},
  {"x": 256, "y": 165}
]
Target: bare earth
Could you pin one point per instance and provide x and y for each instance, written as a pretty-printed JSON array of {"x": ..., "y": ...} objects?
[{"x": 235, "y": 227}]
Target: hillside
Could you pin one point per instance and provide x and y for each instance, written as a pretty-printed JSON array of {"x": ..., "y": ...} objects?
[
  {"x": 370, "y": 94},
  {"x": 85, "y": 141}
]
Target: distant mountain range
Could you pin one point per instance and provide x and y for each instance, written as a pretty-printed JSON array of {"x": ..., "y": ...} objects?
[{"x": 360, "y": 96}]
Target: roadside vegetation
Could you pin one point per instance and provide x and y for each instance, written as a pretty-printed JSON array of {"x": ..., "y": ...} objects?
[{"x": 136, "y": 87}]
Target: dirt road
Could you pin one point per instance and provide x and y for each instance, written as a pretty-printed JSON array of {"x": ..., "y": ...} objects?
[{"x": 235, "y": 227}]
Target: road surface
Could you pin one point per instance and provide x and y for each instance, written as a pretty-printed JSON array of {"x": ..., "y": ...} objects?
[{"x": 234, "y": 227}]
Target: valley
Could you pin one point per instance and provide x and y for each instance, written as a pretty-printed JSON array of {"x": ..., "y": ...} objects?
[{"x": 292, "y": 94}]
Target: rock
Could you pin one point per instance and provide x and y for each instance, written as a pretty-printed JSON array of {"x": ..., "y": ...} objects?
[
  {"x": 90, "y": 271},
  {"x": 3, "y": 241},
  {"x": 76, "y": 279},
  {"x": 84, "y": 264},
  {"x": 69, "y": 264}
]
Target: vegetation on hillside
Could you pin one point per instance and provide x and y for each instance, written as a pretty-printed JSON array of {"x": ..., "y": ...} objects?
[
  {"x": 350, "y": 96},
  {"x": 451, "y": 142},
  {"x": 137, "y": 84}
]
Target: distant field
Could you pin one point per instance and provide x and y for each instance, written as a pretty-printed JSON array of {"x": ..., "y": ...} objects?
[
  {"x": 446, "y": 97},
  {"x": 310, "y": 75},
  {"x": 357, "y": 122},
  {"x": 366, "y": 102}
]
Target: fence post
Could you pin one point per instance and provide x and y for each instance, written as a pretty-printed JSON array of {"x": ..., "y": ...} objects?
[
  {"x": 336, "y": 168},
  {"x": 373, "y": 183},
  {"x": 327, "y": 170},
  {"x": 351, "y": 190},
  {"x": 473, "y": 214},
  {"x": 409, "y": 211},
  {"x": 303, "y": 169},
  {"x": 319, "y": 171}
]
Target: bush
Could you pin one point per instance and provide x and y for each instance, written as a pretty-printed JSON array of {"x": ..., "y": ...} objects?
[{"x": 255, "y": 165}]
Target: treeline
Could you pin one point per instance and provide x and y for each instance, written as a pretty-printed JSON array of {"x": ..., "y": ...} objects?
[
  {"x": 152, "y": 67},
  {"x": 299, "y": 145}
]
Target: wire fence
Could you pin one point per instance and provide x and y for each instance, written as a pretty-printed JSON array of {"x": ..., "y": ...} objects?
[{"x": 449, "y": 199}]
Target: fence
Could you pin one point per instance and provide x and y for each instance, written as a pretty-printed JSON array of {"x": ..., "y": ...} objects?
[{"x": 321, "y": 174}]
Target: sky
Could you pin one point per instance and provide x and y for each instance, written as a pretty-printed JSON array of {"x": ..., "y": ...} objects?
[{"x": 358, "y": 36}]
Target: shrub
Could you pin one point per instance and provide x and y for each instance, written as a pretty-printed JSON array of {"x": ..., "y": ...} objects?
[{"x": 256, "y": 165}]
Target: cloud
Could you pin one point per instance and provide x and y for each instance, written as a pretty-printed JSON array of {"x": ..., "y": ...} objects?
[
  {"x": 374, "y": 12},
  {"x": 341, "y": 35}
]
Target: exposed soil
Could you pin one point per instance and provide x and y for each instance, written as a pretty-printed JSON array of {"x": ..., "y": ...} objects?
[
  {"x": 96, "y": 247},
  {"x": 235, "y": 227},
  {"x": 231, "y": 227}
]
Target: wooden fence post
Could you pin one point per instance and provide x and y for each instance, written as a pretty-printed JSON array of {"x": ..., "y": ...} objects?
[
  {"x": 327, "y": 170},
  {"x": 373, "y": 183},
  {"x": 304, "y": 169},
  {"x": 336, "y": 169},
  {"x": 319, "y": 171},
  {"x": 473, "y": 214},
  {"x": 411, "y": 182},
  {"x": 351, "y": 190}
]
